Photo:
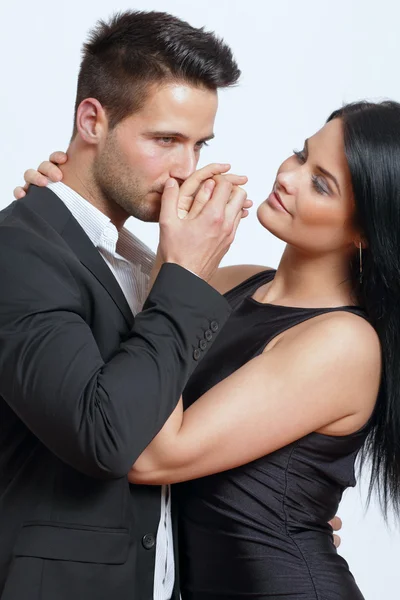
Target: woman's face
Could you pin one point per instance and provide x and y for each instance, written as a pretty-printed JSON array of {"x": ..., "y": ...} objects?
[{"x": 311, "y": 206}]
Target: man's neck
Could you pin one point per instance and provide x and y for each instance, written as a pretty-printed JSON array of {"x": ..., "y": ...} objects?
[{"x": 77, "y": 174}]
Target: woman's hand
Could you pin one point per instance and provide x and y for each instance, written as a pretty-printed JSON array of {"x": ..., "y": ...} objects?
[
  {"x": 193, "y": 195},
  {"x": 336, "y": 524},
  {"x": 47, "y": 171}
]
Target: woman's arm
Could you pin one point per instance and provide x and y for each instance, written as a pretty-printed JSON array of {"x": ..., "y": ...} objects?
[{"x": 327, "y": 371}]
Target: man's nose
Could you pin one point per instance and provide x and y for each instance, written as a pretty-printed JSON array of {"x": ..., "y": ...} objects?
[{"x": 185, "y": 165}]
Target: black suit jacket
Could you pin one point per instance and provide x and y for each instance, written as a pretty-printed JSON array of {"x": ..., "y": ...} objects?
[{"x": 84, "y": 387}]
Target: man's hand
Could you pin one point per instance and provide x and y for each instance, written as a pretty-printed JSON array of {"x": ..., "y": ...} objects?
[
  {"x": 47, "y": 171},
  {"x": 336, "y": 525},
  {"x": 199, "y": 241}
]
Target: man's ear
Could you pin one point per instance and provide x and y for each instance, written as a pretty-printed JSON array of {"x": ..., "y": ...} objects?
[{"x": 91, "y": 121}]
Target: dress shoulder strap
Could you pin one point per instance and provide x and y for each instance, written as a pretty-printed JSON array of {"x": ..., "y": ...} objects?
[{"x": 249, "y": 286}]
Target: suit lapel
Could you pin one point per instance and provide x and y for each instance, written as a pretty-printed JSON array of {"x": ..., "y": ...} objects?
[
  {"x": 49, "y": 206},
  {"x": 91, "y": 258}
]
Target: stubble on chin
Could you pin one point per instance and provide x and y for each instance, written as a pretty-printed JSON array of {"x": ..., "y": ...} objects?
[
  {"x": 140, "y": 207},
  {"x": 119, "y": 185}
]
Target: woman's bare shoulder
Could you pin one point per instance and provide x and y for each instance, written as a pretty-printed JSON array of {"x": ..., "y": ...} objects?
[
  {"x": 226, "y": 278},
  {"x": 341, "y": 332}
]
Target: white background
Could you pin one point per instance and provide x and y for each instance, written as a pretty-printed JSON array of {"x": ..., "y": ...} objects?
[{"x": 300, "y": 60}]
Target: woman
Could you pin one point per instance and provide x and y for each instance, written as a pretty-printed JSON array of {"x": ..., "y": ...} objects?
[{"x": 303, "y": 376}]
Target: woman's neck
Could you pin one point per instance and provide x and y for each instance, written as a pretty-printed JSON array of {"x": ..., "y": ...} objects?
[{"x": 305, "y": 281}]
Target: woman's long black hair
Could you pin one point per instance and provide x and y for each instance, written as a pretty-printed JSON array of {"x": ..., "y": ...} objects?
[{"x": 372, "y": 147}]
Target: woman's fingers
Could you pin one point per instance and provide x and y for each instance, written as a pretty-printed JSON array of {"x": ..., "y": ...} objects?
[
  {"x": 192, "y": 185},
  {"x": 19, "y": 193},
  {"x": 202, "y": 197},
  {"x": 33, "y": 177},
  {"x": 49, "y": 170},
  {"x": 58, "y": 157}
]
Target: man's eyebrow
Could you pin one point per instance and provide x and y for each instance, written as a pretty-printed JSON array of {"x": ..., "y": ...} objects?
[
  {"x": 324, "y": 171},
  {"x": 180, "y": 135},
  {"x": 208, "y": 138}
]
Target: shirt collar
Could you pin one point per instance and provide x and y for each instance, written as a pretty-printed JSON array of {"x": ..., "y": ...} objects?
[
  {"x": 98, "y": 227},
  {"x": 90, "y": 218}
]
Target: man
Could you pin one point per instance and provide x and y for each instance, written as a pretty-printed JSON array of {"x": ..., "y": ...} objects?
[{"x": 84, "y": 383}]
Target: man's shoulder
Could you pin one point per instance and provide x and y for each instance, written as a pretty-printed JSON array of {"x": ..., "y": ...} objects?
[
  {"x": 9, "y": 212},
  {"x": 37, "y": 268},
  {"x": 39, "y": 218},
  {"x": 14, "y": 224},
  {"x": 40, "y": 209},
  {"x": 28, "y": 240}
]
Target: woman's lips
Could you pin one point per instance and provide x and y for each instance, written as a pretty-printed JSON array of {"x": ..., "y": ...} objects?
[{"x": 275, "y": 201}]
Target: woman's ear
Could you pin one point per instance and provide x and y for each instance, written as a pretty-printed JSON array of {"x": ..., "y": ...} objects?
[
  {"x": 91, "y": 121},
  {"x": 360, "y": 240}
]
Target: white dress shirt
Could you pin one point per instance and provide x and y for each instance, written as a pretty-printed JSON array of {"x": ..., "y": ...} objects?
[{"x": 131, "y": 262}]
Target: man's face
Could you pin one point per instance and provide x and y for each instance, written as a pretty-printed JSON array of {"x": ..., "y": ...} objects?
[{"x": 162, "y": 140}]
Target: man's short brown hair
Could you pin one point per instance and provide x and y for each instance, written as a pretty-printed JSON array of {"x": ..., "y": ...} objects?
[{"x": 135, "y": 49}]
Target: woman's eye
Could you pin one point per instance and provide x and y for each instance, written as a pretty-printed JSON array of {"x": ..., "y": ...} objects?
[
  {"x": 319, "y": 186},
  {"x": 300, "y": 155}
]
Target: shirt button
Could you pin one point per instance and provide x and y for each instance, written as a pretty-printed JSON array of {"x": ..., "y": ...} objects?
[
  {"x": 214, "y": 326},
  {"x": 203, "y": 344},
  {"x": 208, "y": 335},
  {"x": 196, "y": 354},
  {"x": 148, "y": 541}
]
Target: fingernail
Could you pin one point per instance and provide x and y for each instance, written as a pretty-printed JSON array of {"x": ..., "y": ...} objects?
[
  {"x": 209, "y": 185},
  {"x": 170, "y": 183}
]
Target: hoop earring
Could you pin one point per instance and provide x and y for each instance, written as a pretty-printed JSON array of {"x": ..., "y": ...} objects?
[{"x": 361, "y": 264}]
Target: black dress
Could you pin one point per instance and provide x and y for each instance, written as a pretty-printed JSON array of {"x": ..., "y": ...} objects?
[{"x": 261, "y": 530}]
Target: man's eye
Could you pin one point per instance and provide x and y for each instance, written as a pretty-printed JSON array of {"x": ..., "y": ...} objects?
[
  {"x": 200, "y": 145},
  {"x": 166, "y": 140}
]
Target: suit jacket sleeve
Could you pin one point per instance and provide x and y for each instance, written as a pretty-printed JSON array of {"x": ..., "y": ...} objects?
[{"x": 96, "y": 416}]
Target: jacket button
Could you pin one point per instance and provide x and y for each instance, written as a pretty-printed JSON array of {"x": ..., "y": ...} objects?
[
  {"x": 203, "y": 344},
  {"x": 208, "y": 335},
  {"x": 148, "y": 541},
  {"x": 214, "y": 326},
  {"x": 196, "y": 354}
]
